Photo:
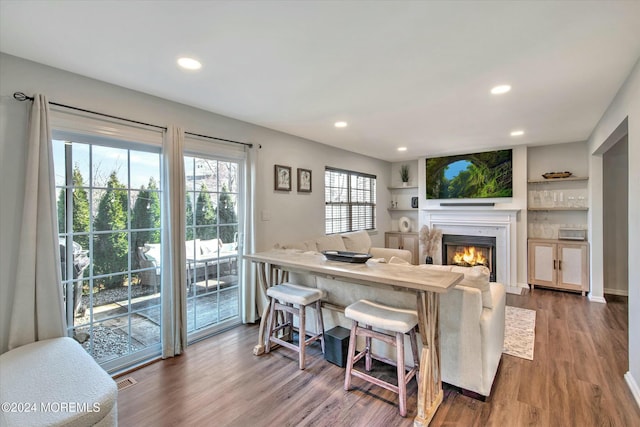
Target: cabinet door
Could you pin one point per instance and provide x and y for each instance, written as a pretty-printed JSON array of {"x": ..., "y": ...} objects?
[
  {"x": 411, "y": 243},
  {"x": 542, "y": 264},
  {"x": 393, "y": 240},
  {"x": 572, "y": 266}
]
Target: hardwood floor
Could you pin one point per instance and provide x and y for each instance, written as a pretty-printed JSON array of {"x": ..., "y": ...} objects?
[{"x": 575, "y": 379}]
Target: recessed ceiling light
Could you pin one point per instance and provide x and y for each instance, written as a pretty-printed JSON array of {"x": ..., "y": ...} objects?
[
  {"x": 499, "y": 90},
  {"x": 402, "y": 148},
  {"x": 340, "y": 124},
  {"x": 189, "y": 63},
  {"x": 517, "y": 133}
]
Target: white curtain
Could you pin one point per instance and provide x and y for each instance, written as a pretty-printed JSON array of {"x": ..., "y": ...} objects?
[
  {"x": 174, "y": 274},
  {"x": 251, "y": 296},
  {"x": 38, "y": 310}
]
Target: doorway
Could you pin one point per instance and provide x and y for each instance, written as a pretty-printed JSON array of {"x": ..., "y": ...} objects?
[{"x": 615, "y": 196}]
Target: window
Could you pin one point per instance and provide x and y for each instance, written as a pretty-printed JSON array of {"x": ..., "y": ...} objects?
[
  {"x": 350, "y": 201},
  {"x": 108, "y": 201}
]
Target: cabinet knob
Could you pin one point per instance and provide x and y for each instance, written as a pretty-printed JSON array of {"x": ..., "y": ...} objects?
[
  {"x": 560, "y": 265},
  {"x": 554, "y": 264}
]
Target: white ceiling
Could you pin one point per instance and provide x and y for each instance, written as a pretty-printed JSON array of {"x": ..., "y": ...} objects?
[{"x": 401, "y": 73}]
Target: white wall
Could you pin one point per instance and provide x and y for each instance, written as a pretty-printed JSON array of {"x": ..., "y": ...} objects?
[
  {"x": 625, "y": 105},
  {"x": 572, "y": 156},
  {"x": 292, "y": 215},
  {"x": 615, "y": 184}
]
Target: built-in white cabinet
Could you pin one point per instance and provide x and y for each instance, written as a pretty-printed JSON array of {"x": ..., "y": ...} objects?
[
  {"x": 559, "y": 264},
  {"x": 408, "y": 241}
]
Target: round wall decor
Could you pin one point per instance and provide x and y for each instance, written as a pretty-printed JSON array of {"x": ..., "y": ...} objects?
[{"x": 405, "y": 224}]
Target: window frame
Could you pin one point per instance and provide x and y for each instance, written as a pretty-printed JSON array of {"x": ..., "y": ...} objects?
[{"x": 353, "y": 220}]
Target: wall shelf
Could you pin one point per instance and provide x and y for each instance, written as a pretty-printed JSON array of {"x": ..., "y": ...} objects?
[
  {"x": 408, "y": 187},
  {"x": 558, "y": 209},
  {"x": 553, "y": 180},
  {"x": 402, "y": 210}
]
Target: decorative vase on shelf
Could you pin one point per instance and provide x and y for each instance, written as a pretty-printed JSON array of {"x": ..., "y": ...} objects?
[{"x": 404, "y": 175}]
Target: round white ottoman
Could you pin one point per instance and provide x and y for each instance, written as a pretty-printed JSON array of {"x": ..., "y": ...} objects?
[{"x": 54, "y": 383}]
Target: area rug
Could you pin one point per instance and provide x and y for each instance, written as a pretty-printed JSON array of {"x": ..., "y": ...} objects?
[{"x": 519, "y": 332}]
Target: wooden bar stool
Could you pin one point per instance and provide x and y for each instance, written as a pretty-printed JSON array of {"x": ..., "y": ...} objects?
[
  {"x": 286, "y": 297},
  {"x": 400, "y": 321}
]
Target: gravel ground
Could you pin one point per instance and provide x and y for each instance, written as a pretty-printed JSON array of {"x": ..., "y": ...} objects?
[{"x": 111, "y": 337}]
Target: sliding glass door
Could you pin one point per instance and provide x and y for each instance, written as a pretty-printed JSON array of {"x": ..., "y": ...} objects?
[
  {"x": 108, "y": 194},
  {"x": 213, "y": 212}
]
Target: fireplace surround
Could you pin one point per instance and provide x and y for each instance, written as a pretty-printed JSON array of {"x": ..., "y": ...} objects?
[{"x": 492, "y": 222}]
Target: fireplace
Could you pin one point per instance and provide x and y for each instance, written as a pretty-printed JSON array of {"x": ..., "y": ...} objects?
[
  {"x": 499, "y": 223},
  {"x": 468, "y": 251}
]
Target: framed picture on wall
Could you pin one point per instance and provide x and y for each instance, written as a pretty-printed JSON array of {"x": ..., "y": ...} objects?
[
  {"x": 304, "y": 180},
  {"x": 282, "y": 178}
]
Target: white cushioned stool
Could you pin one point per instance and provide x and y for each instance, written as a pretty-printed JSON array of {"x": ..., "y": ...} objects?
[
  {"x": 61, "y": 382},
  {"x": 285, "y": 297},
  {"x": 397, "y": 320}
]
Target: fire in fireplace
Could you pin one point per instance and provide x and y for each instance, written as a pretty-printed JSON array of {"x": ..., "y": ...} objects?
[
  {"x": 469, "y": 256},
  {"x": 468, "y": 251}
]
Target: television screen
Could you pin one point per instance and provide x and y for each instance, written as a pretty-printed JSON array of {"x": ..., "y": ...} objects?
[{"x": 470, "y": 176}]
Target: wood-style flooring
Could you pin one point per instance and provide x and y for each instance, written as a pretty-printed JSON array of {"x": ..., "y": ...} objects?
[{"x": 575, "y": 379}]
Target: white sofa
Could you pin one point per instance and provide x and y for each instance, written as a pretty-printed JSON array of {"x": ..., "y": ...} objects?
[
  {"x": 55, "y": 382},
  {"x": 471, "y": 314},
  {"x": 472, "y": 317},
  {"x": 357, "y": 241}
]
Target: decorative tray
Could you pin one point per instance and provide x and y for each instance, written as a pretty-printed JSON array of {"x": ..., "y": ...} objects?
[
  {"x": 345, "y": 256},
  {"x": 555, "y": 175}
]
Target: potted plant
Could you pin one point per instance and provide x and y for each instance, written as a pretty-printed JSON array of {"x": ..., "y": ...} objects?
[{"x": 404, "y": 174}]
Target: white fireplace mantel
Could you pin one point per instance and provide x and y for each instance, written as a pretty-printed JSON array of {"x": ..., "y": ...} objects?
[{"x": 498, "y": 223}]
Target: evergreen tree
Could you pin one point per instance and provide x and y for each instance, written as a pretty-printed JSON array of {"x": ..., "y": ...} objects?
[
  {"x": 189, "y": 218},
  {"x": 145, "y": 215},
  {"x": 80, "y": 209},
  {"x": 80, "y": 212},
  {"x": 110, "y": 251},
  {"x": 205, "y": 215},
  {"x": 227, "y": 215},
  {"x": 62, "y": 205}
]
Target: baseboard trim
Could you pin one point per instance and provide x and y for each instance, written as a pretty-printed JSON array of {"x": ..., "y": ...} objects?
[
  {"x": 596, "y": 299},
  {"x": 620, "y": 292},
  {"x": 515, "y": 290},
  {"x": 633, "y": 386}
]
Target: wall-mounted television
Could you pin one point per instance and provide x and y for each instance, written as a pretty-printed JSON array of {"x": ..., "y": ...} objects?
[{"x": 470, "y": 176}]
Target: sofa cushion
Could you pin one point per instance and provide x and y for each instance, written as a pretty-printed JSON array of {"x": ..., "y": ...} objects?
[
  {"x": 307, "y": 245},
  {"x": 332, "y": 242},
  {"x": 152, "y": 252},
  {"x": 474, "y": 277},
  {"x": 210, "y": 246},
  {"x": 192, "y": 248},
  {"x": 357, "y": 241},
  {"x": 398, "y": 260}
]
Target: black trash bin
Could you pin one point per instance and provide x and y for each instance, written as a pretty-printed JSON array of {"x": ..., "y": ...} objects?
[{"x": 336, "y": 342}]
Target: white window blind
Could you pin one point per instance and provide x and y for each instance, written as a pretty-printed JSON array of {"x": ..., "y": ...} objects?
[{"x": 350, "y": 201}]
